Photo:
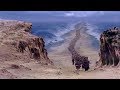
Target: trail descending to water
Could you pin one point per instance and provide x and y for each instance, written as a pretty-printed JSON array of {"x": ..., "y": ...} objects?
[
  {"x": 77, "y": 59},
  {"x": 71, "y": 48}
]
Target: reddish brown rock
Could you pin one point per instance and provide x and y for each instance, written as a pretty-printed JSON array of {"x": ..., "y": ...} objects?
[
  {"x": 17, "y": 40},
  {"x": 110, "y": 47}
]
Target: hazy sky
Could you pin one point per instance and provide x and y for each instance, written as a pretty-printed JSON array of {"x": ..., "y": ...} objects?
[
  {"x": 57, "y": 15},
  {"x": 67, "y": 13},
  {"x": 73, "y": 13}
]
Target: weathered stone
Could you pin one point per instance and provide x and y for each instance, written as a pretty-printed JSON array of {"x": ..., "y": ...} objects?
[
  {"x": 110, "y": 47},
  {"x": 17, "y": 37}
]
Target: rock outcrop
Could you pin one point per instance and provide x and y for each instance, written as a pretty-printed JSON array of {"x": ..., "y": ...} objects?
[
  {"x": 16, "y": 35},
  {"x": 110, "y": 47}
]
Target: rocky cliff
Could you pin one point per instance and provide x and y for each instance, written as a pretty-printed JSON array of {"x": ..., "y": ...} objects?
[
  {"x": 110, "y": 47},
  {"x": 16, "y": 42}
]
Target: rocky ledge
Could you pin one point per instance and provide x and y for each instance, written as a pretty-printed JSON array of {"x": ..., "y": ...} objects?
[{"x": 16, "y": 40}]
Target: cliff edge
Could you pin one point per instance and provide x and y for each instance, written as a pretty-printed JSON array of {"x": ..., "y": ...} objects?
[
  {"x": 17, "y": 42},
  {"x": 110, "y": 47}
]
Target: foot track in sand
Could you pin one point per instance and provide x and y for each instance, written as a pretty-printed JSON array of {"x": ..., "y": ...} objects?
[{"x": 71, "y": 47}]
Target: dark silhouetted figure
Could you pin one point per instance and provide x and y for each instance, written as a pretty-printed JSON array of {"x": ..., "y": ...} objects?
[
  {"x": 78, "y": 63},
  {"x": 85, "y": 64},
  {"x": 73, "y": 61}
]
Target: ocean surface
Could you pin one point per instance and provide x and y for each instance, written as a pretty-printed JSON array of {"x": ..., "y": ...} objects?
[
  {"x": 95, "y": 29},
  {"x": 52, "y": 31},
  {"x": 52, "y": 26}
]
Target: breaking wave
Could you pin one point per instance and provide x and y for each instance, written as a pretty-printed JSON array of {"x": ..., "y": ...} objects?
[{"x": 93, "y": 30}]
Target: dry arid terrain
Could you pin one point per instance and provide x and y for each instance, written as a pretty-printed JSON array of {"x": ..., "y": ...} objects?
[{"x": 16, "y": 65}]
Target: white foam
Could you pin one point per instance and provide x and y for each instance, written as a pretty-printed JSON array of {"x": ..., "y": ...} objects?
[
  {"x": 92, "y": 30},
  {"x": 61, "y": 32}
]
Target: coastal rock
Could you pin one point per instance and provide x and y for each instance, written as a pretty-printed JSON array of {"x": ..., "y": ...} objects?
[
  {"x": 110, "y": 47},
  {"x": 17, "y": 38}
]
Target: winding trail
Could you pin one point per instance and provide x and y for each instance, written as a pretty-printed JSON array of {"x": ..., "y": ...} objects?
[{"x": 73, "y": 42}]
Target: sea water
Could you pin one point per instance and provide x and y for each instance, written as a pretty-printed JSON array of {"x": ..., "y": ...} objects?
[{"x": 52, "y": 32}]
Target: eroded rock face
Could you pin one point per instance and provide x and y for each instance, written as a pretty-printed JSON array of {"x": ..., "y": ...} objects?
[
  {"x": 110, "y": 47},
  {"x": 16, "y": 36},
  {"x": 36, "y": 48}
]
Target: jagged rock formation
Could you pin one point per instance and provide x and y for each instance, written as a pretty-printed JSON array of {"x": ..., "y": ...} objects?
[
  {"x": 36, "y": 48},
  {"x": 110, "y": 47},
  {"x": 16, "y": 35}
]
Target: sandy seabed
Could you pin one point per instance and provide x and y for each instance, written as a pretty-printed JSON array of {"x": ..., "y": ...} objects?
[{"x": 61, "y": 57}]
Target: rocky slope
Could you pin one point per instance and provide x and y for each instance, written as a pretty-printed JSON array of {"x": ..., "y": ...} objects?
[
  {"x": 16, "y": 35},
  {"x": 18, "y": 46},
  {"x": 110, "y": 47}
]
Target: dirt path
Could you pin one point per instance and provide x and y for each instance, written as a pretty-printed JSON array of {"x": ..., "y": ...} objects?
[{"x": 71, "y": 47}]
